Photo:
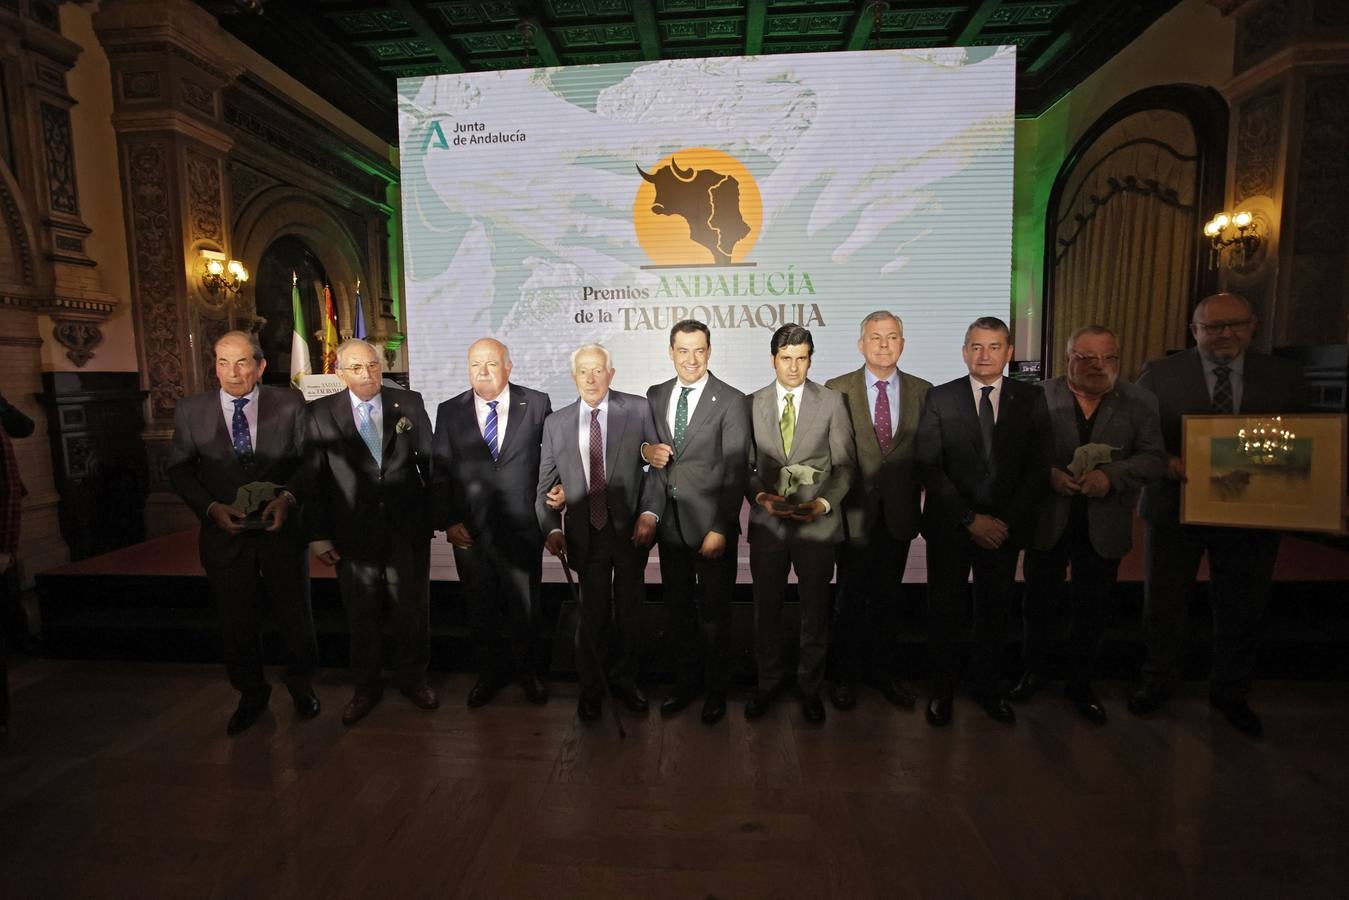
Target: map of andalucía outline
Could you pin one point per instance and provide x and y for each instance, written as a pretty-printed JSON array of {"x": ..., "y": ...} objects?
[{"x": 697, "y": 207}]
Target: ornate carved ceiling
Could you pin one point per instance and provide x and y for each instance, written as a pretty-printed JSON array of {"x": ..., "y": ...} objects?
[{"x": 351, "y": 51}]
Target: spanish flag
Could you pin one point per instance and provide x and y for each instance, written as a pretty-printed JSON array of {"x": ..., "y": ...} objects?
[{"x": 329, "y": 333}]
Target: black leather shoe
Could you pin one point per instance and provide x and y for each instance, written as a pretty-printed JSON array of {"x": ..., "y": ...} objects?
[
  {"x": 675, "y": 703},
  {"x": 843, "y": 696},
  {"x": 1239, "y": 713},
  {"x": 248, "y": 711},
  {"x": 484, "y": 689},
  {"x": 632, "y": 696},
  {"x": 536, "y": 691},
  {"x": 360, "y": 705},
  {"x": 1085, "y": 702},
  {"x": 939, "y": 710},
  {"x": 1027, "y": 687},
  {"x": 588, "y": 707},
  {"x": 306, "y": 705},
  {"x": 812, "y": 709},
  {"x": 424, "y": 697},
  {"x": 1148, "y": 699},
  {"x": 714, "y": 708},
  {"x": 997, "y": 707},
  {"x": 897, "y": 695},
  {"x": 758, "y": 705}
]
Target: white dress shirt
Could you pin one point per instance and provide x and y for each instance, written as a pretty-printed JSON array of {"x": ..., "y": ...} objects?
[
  {"x": 503, "y": 401},
  {"x": 994, "y": 397},
  {"x": 250, "y": 413}
]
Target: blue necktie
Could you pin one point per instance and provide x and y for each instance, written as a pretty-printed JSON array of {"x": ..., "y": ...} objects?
[
  {"x": 241, "y": 437},
  {"x": 366, "y": 426},
  {"x": 489, "y": 433}
]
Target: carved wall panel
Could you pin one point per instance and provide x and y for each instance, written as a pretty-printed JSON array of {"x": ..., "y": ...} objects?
[
  {"x": 245, "y": 183},
  {"x": 60, "y": 159},
  {"x": 140, "y": 86},
  {"x": 1259, "y": 132},
  {"x": 157, "y": 255},
  {"x": 204, "y": 198},
  {"x": 1323, "y": 159}
]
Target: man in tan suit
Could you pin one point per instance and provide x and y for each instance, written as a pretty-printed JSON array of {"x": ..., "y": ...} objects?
[{"x": 881, "y": 513}]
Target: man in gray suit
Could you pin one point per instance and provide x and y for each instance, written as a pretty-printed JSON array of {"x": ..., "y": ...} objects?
[
  {"x": 593, "y": 449},
  {"x": 222, "y": 440},
  {"x": 881, "y": 512},
  {"x": 804, "y": 463},
  {"x": 703, "y": 428},
  {"x": 1087, "y": 520}
]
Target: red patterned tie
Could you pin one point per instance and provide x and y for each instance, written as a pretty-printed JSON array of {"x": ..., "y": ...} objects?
[
  {"x": 599, "y": 512},
  {"x": 884, "y": 430}
]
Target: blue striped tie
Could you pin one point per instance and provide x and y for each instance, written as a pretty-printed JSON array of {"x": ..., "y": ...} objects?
[
  {"x": 366, "y": 426},
  {"x": 489, "y": 433}
]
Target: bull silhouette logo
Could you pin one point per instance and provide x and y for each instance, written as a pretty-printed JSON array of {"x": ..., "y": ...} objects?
[{"x": 697, "y": 207}]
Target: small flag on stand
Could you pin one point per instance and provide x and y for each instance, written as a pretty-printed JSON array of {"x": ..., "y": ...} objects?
[
  {"x": 358, "y": 331},
  {"x": 300, "y": 365},
  {"x": 329, "y": 333}
]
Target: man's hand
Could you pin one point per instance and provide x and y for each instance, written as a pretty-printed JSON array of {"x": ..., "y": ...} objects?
[
  {"x": 226, "y": 516},
  {"x": 766, "y": 500},
  {"x": 556, "y": 498},
  {"x": 556, "y": 543},
  {"x": 1095, "y": 483},
  {"x": 1175, "y": 468},
  {"x": 658, "y": 455},
  {"x": 809, "y": 512},
  {"x": 987, "y": 531},
  {"x": 1063, "y": 483},
  {"x": 329, "y": 557},
  {"x": 6, "y": 559},
  {"x": 714, "y": 545},
  {"x": 277, "y": 511},
  {"x": 458, "y": 536},
  {"x": 644, "y": 531}
]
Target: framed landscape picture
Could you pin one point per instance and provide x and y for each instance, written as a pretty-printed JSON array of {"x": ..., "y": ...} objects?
[{"x": 1267, "y": 471}]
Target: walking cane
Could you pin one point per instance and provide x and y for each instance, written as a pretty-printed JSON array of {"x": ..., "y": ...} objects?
[{"x": 594, "y": 654}]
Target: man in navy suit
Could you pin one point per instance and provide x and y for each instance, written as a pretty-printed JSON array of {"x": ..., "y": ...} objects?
[
  {"x": 486, "y": 471},
  {"x": 592, "y": 448}
]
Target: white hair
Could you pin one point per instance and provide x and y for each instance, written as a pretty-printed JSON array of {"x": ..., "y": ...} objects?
[{"x": 592, "y": 348}]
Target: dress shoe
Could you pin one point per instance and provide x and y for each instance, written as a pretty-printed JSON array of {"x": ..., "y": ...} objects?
[
  {"x": 1148, "y": 699},
  {"x": 306, "y": 704},
  {"x": 675, "y": 703},
  {"x": 891, "y": 691},
  {"x": 360, "y": 705},
  {"x": 1027, "y": 687},
  {"x": 484, "y": 689},
  {"x": 758, "y": 705},
  {"x": 1239, "y": 713},
  {"x": 1084, "y": 701},
  {"x": 536, "y": 691},
  {"x": 843, "y": 696},
  {"x": 424, "y": 697},
  {"x": 632, "y": 696},
  {"x": 248, "y": 711},
  {"x": 939, "y": 710},
  {"x": 588, "y": 707},
  {"x": 997, "y": 707},
  {"x": 714, "y": 707},
  {"x": 812, "y": 709}
]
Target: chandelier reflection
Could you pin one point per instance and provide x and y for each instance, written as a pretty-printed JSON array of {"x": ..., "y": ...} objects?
[{"x": 1265, "y": 442}]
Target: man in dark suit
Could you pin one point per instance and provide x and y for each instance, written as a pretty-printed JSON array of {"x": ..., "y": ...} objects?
[
  {"x": 1219, "y": 375},
  {"x": 593, "y": 449},
  {"x": 486, "y": 471},
  {"x": 881, "y": 512},
  {"x": 222, "y": 440},
  {"x": 703, "y": 429},
  {"x": 803, "y": 462},
  {"x": 1087, "y": 519},
  {"x": 368, "y": 510},
  {"x": 13, "y": 618},
  {"x": 981, "y": 449}
]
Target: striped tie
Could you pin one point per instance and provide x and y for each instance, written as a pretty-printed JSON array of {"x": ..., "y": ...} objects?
[
  {"x": 366, "y": 426},
  {"x": 489, "y": 433},
  {"x": 1222, "y": 390}
]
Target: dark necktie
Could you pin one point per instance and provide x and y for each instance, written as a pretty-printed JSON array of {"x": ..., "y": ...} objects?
[
  {"x": 681, "y": 418},
  {"x": 986, "y": 419},
  {"x": 489, "y": 432},
  {"x": 884, "y": 429},
  {"x": 599, "y": 512},
  {"x": 240, "y": 435},
  {"x": 1222, "y": 389}
]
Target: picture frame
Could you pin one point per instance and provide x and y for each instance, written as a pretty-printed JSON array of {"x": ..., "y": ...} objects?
[{"x": 1281, "y": 472}]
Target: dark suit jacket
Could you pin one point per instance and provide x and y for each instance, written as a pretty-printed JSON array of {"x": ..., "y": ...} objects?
[
  {"x": 494, "y": 498},
  {"x": 628, "y": 490},
  {"x": 1126, "y": 419},
  {"x": 1269, "y": 385},
  {"x": 708, "y": 478},
  {"x": 950, "y": 456},
  {"x": 888, "y": 482},
  {"x": 204, "y": 469},
  {"x": 351, "y": 501}
]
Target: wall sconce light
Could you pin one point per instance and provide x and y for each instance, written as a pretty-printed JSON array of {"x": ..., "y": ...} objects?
[
  {"x": 220, "y": 275},
  {"x": 1236, "y": 232}
]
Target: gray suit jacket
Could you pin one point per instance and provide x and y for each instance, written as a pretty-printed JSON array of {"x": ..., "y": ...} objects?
[
  {"x": 823, "y": 440},
  {"x": 629, "y": 491},
  {"x": 888, "y": 482},
  {"x": 1126, "y": 419},
  {"x": 706, "y": 479}
]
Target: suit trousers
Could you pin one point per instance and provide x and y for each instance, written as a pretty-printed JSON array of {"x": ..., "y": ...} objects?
[
  {"x": 510, "y": 636},
  {"x": 401, "y": 579},
  {"x": 1241, "y": 567},
  {"x": 612, "y": 581},
  {"x": 770, "y": 559},
  {"x": 1089, "y": 594},
  {"x": 949, "y": 562},
  {"x": 865, "y": 635},
  {"x": 699, "y": 621},
  {"x": 268, "y": 575}
]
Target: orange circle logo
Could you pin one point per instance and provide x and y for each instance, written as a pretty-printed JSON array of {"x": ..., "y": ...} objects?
[{"x": 697, "y": 207}]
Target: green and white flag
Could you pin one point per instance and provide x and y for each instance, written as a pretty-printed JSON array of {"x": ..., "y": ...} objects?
[{"x": 299, "y": 347}]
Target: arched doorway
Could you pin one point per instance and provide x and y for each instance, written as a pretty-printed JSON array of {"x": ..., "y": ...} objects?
[{"x": 286, "y": 257}]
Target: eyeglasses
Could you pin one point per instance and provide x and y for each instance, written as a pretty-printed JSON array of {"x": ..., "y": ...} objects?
[
  {"x": 1219, "y": 327},
  {"x": 357, "y": 368},
  {"x": 1099, "y": 360}
]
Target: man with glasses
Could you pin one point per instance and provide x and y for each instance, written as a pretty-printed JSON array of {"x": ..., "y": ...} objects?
[
  {"x": 368, "y": 511},
  {"x": 1087, "y": 520},
  {"x": 1219, "y": 375}
]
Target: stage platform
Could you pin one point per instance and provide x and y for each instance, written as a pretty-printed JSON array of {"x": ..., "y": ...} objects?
[{"x": 152, "y": 601}]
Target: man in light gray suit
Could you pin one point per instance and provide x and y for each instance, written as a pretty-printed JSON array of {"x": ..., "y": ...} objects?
[
  {"x": 803, "y": 464},
  {"x": 1087, "y": 520},
  {"x": 593, "y": 449}
]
